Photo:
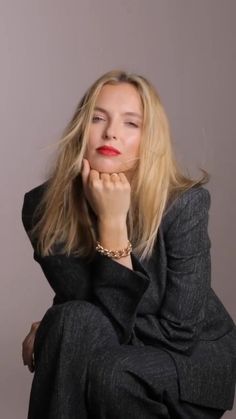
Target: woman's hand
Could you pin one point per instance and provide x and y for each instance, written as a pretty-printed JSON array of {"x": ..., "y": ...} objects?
[
  {"x": 28, "y": 347},
  {"x": 109, "y": 197},
  {"x": 108, "y": 194}
]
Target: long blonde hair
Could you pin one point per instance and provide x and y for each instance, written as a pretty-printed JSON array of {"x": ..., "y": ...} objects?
[{"x": 64, "y": 216}]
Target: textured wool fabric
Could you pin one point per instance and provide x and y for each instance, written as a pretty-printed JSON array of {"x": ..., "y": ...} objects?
[
  {"x": 165, "y": 305},
  {"x": 83, "y": 372}
]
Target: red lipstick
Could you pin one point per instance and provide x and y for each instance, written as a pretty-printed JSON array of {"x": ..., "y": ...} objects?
[{"x": 108, "y": 151}]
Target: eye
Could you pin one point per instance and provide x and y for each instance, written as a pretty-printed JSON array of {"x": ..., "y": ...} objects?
[
  {"x": 132, "y": 124},
  {"x": 97, "y": 118}
]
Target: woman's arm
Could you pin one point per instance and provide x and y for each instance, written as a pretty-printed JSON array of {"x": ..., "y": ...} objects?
[
  {"x": 118, "y": 290},
  {"x": 109, "y": 197},
  {"x": 179, "y": 322},
  {"x": 118, "y": 284},
  {"x": 69, "y": 276}
]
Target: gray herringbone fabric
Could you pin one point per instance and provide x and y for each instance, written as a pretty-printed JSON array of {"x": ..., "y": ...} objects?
[{"x": 154, "y": 342}]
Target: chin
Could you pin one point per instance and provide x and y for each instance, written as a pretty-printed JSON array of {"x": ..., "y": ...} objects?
[{"x": 105, "y": 167}]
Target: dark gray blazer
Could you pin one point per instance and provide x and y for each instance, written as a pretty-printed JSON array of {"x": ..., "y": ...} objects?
[{"x": 166, "y": 301}]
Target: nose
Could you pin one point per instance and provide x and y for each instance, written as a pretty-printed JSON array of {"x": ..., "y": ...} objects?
[{"x": 110, "y": 131}]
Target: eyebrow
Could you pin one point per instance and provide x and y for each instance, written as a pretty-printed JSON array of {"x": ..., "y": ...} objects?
[{"x": 98, "y": 108}]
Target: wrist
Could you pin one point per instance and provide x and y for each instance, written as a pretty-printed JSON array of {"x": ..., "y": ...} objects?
[
  {"x": 115, "y": 254},
  {"x": 112, "y": 226},
  {"x": 113, "y": 235},
  {"x": 112, "y": 221}
]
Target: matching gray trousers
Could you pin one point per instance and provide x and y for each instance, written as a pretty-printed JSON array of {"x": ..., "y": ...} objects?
[{"x": 83, "y": 372}]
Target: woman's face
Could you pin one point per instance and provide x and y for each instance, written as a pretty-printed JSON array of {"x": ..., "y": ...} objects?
[{"x": 115, "y": 130}]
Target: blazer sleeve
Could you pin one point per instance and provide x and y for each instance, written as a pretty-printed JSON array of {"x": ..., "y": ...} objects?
[
  {"x": 179, "y": 322},
  {"x": 68, "y": 276},
  {"x": 116, "y": 289}
]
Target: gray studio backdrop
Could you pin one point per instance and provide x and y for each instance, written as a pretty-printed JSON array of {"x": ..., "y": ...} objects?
[{"x": 50, "y": 53}]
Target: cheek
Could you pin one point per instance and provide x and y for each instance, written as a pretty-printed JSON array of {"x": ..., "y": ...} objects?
[
  {"x": 134, "y": 145},
  {"x": 92, "y": 141},
  {"x": 88, "y": 149}
]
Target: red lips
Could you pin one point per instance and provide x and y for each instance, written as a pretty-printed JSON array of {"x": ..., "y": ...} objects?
[{"x": 108, "y": 150}]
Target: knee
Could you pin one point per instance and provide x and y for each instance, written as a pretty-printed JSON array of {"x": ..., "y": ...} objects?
[
  {"x": 59, "y": 313},
  {"x": 61, "y": 317},
  {"x": 77, "y": 316},
  {"x": 116, "y": 374},
  {"x": 106, "y": 373}
]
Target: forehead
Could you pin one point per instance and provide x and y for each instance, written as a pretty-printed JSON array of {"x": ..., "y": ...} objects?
[{"x": 122, "y": 95}]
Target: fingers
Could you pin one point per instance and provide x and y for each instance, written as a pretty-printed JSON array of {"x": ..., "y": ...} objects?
[
  {"x": 114, "y": 177},
  {"x": 105, "y": 177},
  {"x": 108, "y": 194},
  {"x": 27, "y": 351},
  {"x": 92, "y": 175},
  {"x": 28, "y": 347},
  {"x": 123, "y": 178},
  {"x": 88, "y": 174}
]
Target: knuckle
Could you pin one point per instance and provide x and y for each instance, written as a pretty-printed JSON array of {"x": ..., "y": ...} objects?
[{"x": 95, "y": 183}]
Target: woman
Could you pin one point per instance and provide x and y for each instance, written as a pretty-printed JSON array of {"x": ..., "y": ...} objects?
[{"x": 135, "y": 330}]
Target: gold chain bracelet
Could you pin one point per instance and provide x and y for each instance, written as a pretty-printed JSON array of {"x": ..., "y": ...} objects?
[{"x": 116, "y": 254}]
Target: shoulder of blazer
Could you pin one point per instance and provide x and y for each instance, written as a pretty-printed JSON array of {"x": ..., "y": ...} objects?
[
  {"x": 31, "y": 200},
  {"x": 195, "y": 198}
]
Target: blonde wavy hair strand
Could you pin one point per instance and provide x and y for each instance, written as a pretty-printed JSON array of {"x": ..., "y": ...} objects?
[{"x": 64, "y": 216}]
